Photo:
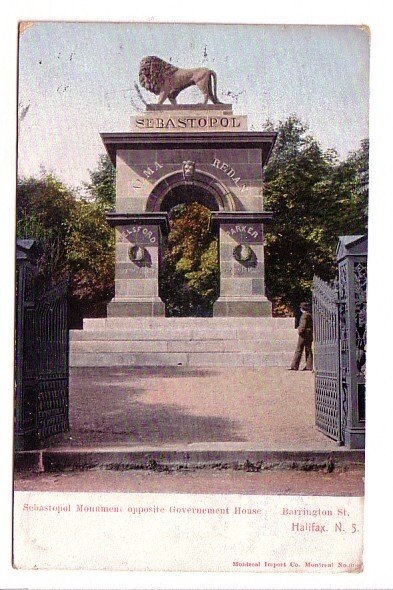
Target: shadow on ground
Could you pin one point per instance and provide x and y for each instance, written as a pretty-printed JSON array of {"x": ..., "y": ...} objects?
[{"x": 106, "y": 408}]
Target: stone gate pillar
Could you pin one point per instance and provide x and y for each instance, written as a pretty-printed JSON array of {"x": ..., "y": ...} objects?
[
  {"x": 138, "y": 248},
  {"x": 242, "y": 271},
  {"x": 352, "y": 289}
]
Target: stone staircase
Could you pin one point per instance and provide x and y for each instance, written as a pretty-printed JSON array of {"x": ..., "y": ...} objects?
[{"x": 201, "y": 342}]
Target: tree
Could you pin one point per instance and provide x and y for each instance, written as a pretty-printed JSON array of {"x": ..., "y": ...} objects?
[
  {"x": 102, "y": 185},
  {"x": 315, "y": 198},
  {"x": 44, "y": 209},
  {"x": 90, "y": 248},
  {"x": 351, "y": 179},
  {"x": 75, "y": 239},
  {"x": 189, "y": 279}
]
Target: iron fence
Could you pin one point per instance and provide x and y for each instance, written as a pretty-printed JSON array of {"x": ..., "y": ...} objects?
[
  {"x": 327, "y": 358},
  {"x": 41, "y": 354},
  {"x": 340, "y": 341}
]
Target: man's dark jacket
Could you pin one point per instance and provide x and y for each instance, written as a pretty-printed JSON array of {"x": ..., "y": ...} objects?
[{"x": 305, "y": 326}]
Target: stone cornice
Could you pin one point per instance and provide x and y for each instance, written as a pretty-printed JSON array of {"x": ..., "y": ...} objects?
[
  {"x": 220, "y": 217},
  {"x": 263, "y": 140},
  {"x": 158, "y": 218}
]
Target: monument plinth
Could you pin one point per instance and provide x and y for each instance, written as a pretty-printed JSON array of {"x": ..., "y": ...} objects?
[
  {"x": 208, "y": 151},
  {"x": 175, "y": 118}
]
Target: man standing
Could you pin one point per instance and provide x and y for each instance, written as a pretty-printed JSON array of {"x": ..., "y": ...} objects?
[{"x": 305, "y": 339}]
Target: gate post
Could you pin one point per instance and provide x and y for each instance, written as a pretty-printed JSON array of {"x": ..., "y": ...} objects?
[
  {"x": 26, "y": 383},
  {"x": 352, "y": 284}
]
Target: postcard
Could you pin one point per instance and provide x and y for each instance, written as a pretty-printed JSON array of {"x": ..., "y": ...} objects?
[{"x": 191, "y": 297}]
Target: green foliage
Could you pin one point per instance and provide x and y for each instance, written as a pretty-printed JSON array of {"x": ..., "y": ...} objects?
[
  {"x": 44, "y": 210},
  {"x": 75, "y": 238},
  {"x": 102, "y": 185},
  {"x": 315, "y": 199},
  {"x": 350, "y": 181},
  {"x": 90, "y": 248},
  {"x": 189, "y": 279}
]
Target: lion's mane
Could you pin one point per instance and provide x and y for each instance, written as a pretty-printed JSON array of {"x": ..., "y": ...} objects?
[{"x": 153, "y": 71}]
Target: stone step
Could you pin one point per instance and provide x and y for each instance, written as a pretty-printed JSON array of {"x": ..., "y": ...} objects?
[
  {"x": 202, "y": 359},
  {"x": 114, "y": 346},
  {"x": 187, "y": 334},
  {"x": 146, "y": 341},
  {"x": 127, "y": 323}
]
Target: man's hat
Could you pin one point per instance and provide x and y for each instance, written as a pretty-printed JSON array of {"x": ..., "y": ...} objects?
[{"x": 305, "y": 306}]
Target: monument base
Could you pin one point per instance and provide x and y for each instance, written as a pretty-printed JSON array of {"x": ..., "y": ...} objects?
[
  {"x": 152, "y": 307},
  {"x": 242, "y": 307}
]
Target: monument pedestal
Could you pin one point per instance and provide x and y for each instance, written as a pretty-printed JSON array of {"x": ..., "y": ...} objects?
[
  {"x": 138, "y": 250},
  {"x": 150, "y": 307},
  {"x": 242, "y": 270},
  {"x": 242, "y": 307}
]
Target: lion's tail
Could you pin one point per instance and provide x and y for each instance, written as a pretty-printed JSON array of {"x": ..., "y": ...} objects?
[{"x": 213, "y": 86}]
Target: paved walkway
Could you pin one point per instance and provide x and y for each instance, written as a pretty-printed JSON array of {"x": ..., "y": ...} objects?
[{"x": 265, "y": 408}]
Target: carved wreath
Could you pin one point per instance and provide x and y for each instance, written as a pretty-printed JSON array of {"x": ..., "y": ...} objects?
[{"x": 242, "y": 253}]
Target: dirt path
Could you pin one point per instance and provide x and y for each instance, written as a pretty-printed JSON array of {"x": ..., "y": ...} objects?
[{"x": 272, "y": 407}]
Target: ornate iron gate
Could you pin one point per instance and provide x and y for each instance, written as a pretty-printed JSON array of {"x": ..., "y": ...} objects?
[
  {"x": 340, "y": 340},
  {"x": 41, "y": 356},
  {"x": 327, "y": 359},
  {"x": 25, "y": 404},
  {"x": 52, "y": 347}
]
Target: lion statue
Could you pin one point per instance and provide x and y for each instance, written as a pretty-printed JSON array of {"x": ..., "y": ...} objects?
[{"x": 167, "y": 81}]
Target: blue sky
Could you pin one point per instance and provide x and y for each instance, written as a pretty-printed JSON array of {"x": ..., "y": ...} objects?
[{"x": 77, "y": 79}]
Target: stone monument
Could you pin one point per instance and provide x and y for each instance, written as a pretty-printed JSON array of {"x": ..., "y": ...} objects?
[{"x": 207, "y": 150}]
